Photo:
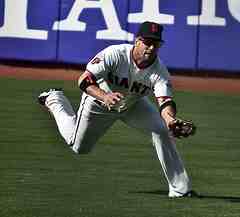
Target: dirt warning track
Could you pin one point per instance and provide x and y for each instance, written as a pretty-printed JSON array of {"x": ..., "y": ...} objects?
[{"x": 180, "y": 82}]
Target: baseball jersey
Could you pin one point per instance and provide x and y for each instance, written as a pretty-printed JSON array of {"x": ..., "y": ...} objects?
[{"x": 115, "y": 70}]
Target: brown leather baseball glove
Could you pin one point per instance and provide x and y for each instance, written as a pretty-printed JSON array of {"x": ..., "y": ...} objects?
[{"x": 182, "y": 128}]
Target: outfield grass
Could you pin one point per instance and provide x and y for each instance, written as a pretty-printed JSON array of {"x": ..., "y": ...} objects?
[{"x": 41, "y": 177}]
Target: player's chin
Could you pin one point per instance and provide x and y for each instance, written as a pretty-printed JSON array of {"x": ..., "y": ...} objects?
[{"x": 148, "y": 56}]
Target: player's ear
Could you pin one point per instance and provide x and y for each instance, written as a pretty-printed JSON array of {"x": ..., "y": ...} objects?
[{"x": 137, "y": 42}]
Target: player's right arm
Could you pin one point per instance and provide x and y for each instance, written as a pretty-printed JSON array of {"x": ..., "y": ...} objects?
[
  {"x": 87, "y": 82},
  {"x": 97, "y": 69}
]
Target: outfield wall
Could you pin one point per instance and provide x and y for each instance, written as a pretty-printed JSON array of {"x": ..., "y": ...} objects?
[{"x": 199, "y": 35}]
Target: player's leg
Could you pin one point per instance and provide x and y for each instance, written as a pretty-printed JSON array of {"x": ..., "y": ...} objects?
[
  {"x": 80, "y": 131},
  {"x": 62, "y": 111},
  {"x": 145, "y": 117},
  {"x": 92, "y": 123}
]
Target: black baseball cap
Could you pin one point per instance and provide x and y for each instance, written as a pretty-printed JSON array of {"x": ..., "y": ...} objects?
[{"x": 150, "y": 30}]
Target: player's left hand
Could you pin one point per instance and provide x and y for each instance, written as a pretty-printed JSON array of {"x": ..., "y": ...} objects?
[{"x": 181, "y": 128}]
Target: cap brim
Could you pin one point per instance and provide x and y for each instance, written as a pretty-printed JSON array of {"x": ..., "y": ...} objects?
[{"x": 153, "y": 37}]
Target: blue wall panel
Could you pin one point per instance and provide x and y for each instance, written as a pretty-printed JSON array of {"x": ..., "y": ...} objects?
[
  {"x": 35, "y": 30},
  {"x": 219, "y": 46},
  {"x": 179, "y": 50},
  {"x": 80, "y": 46},
  {"x": 39, "y": 16}
]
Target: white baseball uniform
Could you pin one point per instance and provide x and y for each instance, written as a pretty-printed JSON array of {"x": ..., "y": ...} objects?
[{"x": 115, "y": 70}]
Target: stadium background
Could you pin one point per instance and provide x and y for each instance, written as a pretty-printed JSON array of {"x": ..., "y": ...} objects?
[{"x": 41, "y": 177}]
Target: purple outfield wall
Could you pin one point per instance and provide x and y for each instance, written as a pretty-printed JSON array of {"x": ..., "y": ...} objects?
[{"x": 198, "y": 34}]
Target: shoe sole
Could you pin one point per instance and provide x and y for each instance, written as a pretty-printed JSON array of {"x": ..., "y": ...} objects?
[{"x": 43, "y": 96}]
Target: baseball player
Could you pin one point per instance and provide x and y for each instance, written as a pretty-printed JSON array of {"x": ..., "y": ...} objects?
[{"x": 115, "y": 86}]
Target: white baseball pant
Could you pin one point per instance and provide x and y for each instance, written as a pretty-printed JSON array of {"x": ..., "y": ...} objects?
[{"x": 82, "y": 130}]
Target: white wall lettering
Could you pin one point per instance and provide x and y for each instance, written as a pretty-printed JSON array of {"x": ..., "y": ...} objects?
[
  {"x": 208, "y": 15},
  {"x": 234, "y": 8},
  {"x": 150, "y": 12},
  {"x": 15, "y": 22},
  {"x": 113, "y": 31}
]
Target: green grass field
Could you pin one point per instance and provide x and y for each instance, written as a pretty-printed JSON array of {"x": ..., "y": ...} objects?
[{"x": 41, "y": 177}]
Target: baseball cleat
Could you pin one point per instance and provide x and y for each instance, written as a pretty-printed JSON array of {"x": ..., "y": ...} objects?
[
  {"x": 43, "y": 96},
  {"x": 190, "y": 194}
]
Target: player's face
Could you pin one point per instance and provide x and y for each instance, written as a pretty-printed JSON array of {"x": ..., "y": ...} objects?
[{"x": 147, "y": 48}]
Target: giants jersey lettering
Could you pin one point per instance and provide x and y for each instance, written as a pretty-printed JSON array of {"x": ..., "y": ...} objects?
[{"x": 115, "y": 70}]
